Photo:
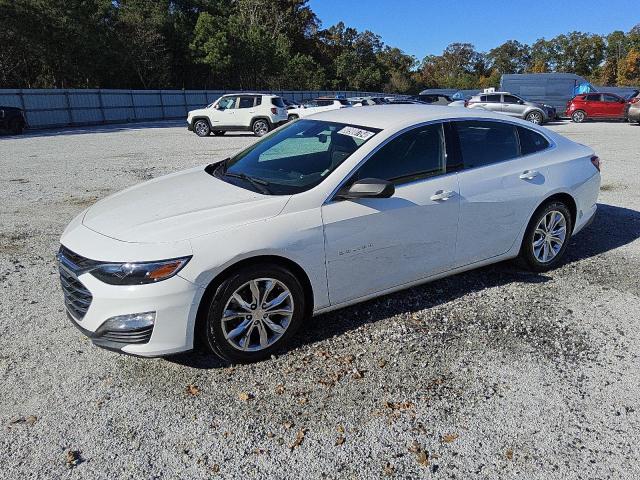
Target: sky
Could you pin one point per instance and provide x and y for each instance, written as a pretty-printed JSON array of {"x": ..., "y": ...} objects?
[{"x": 426, "y": 27}]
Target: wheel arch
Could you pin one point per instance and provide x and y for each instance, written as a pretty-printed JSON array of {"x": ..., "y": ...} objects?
[
  {"x": 261, "y": 117},
  {"x": 201, "y": 117},
  {"x": 213, "y": 285},
  {"x": 565, "y": 198}
]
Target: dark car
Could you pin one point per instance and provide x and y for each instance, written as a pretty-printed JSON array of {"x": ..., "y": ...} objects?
[
  {"x": 12, "y": 119},
  {"x": 433, "y": 98}
]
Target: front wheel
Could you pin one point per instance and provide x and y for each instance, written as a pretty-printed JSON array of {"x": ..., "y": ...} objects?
[
  {"x": 201, "y": 127},
  {"x": 535, "y": 118},
  {"x": 255, "y": 311},
  {"x": 547, "y": 237},
  {"x": 260, "y": 127}
]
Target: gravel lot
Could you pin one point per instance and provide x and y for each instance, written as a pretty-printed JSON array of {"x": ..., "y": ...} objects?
[{"x": 490, "y": 374}]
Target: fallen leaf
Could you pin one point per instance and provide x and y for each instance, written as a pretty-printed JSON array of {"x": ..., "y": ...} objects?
[
  {"x": 509, "y": 454},
  {"x": 357, "y": 374},
  {"x": 245, "y": 396},
  {"x": 382, "y": 363},
  {"x": 73, "y": 458},
  {"x": 340, "y": 440},
  {"x": 423, "y": 458},
  {"x": 415, "y": 447},
  {"x": 279, "y": 389},
  {"x": 215, "y": 468},
  {"x": 449, "y": 437},
  {"x": 192, "y": 390},
  {"x": 303, "y": 400},
  {"x": 347, "y": 359},
  {"x": 388, "y": 469},
  {"x": 398, "y": 405},
  {"x": 299, "y": 439},
  {"x": 288, "y": 424},
  {"x": 30, "y": 420},
  {"x": 340, "y": 429}
]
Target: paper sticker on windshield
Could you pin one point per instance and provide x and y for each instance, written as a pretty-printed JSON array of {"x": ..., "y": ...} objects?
[{"x": 356, "y": 133}]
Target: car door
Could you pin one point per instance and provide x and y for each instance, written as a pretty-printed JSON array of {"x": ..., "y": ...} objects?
[
  {"x": 224, "y": 112},
  {"x": 246, "y": 110},
  {"x": 492, "y": 102},
  {"x": 374, "y": 244},
  {"x": 513, "y": 106},
  {"x": 612, "y": 106},
  {"x": 593, "y": 105},
  {"x": 499, "y": 187}
]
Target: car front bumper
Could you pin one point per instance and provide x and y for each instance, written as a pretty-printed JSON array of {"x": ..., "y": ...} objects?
[{"x": 174, "y": 301}]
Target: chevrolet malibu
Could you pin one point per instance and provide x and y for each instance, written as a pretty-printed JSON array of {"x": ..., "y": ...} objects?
[{"x": 321, "y": 213}]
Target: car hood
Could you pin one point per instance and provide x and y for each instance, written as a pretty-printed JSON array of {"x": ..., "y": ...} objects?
[{"x": 177, "y": 207}]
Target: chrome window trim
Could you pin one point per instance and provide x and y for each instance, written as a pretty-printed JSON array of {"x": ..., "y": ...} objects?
[{"x": 552, "y": 145}]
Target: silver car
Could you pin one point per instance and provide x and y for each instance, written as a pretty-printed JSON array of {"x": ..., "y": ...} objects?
[{"x": 509, "y": 104}]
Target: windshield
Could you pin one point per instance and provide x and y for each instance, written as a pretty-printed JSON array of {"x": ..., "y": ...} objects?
[{"x": 295, "y": 158}]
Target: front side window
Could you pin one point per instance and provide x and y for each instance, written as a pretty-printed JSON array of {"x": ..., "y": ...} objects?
[
  {"x": 485, "y": 142},
  {"x": 530, "y": 141},
  {"x": 295, "y": 158},
  {"x": 413, "y": 155},
  {"x": 227, "y": 102},
  {"x": 511, "y": 99}
]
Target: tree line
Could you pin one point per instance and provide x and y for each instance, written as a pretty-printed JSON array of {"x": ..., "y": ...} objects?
[{"x": 263, "y": 44}]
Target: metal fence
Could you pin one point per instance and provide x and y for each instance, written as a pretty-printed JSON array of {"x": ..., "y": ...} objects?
[{"x": 45, "y": 108}]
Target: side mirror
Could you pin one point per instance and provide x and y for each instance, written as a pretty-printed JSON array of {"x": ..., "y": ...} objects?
[
  {"x": 367, "y": 188},
  {"x": 217, "y": 107},
  {"x": 521, "y": 102}
]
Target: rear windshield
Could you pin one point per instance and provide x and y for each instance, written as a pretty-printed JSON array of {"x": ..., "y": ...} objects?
[{"x": 277, "y": 101}]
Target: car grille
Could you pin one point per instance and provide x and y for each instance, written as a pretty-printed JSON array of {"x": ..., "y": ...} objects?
[
  {"x": 77, "y": 298},
  {"x": 142, "y": 335}
]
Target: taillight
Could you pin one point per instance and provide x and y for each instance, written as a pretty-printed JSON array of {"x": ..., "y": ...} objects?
[
  {"x": 595, "y": 160},
  {"x": 634, "y": 100},
  {"x": 274, "y": 110},
  {"x": 466, "y": 103}
]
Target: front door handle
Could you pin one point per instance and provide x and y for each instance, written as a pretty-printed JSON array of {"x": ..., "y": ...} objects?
[
  {"x": 529, "y": 175},
  {"x": 442, "y": 195}
]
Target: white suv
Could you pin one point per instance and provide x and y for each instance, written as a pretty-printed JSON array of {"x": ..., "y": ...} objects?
[{"x": 254, "y": 112}]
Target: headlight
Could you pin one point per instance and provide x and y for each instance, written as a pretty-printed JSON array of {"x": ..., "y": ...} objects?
[{"x": 138, "y": 273}]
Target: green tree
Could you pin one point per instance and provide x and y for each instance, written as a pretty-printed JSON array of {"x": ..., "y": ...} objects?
[{"x": 510, "y": 57}]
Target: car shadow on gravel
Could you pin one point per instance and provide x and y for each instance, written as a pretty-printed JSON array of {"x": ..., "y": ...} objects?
[{"x": 612, "y": 227}]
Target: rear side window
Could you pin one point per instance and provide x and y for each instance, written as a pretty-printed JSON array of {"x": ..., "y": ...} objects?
[
  {"x": 530, "y": 141},
  {"x": 493, "y": 98},
  {"x": 277, "y": 101},
  {"x": 413, "y": 155},
  {"x": 593, "y": 98},
  {"x": 324, "y": 103},
  {"x": 611, "y": 98},
  {"x": 483, "y": 143},
  {"x": 246, "y": 102}
]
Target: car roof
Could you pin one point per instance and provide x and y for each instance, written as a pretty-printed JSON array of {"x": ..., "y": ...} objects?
[
  {"x": 249, "y": 94},
  {"x": 400, "y": 116}
]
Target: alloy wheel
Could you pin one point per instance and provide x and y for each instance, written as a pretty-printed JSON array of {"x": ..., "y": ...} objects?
[
  {"x": 260, "y": 127},
  {"x": 549, "y": 236},
  {"x": 257, "y": 314},
  {"x": 201, "y": 128},
  {"x": 535, "y": 118},
  {"x": 578, "y": 117}
]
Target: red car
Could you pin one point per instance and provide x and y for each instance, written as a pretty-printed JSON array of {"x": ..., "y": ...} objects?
[{"x": 596, "y": 105}]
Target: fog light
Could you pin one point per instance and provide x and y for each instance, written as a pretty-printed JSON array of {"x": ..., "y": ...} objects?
[{"x": 132, "y": 321}]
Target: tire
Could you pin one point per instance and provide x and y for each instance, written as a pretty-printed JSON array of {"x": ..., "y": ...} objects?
[
  {"x": 578, "y": 116},
  {"x": 201, "y": 128},
  {"x": 218, "y": 133},
  {"x": 16, "y": 126},
  {"x": 255, "y": 339},
  {"x": 535, "y": 117},
  {"x": 548, "y": 254},
  {"x": 260, "y": 127},
  {"x": 292, "y": 117}
]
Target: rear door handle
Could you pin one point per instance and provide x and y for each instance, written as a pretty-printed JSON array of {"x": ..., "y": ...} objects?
[
  {"x": 442, "y": 195},
  {"x": 529, "y": 175}
]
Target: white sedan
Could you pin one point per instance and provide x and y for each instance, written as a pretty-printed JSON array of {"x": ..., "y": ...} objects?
[
  {"x": 319, "y": 214},
  {"x": 317, "y": 106}
]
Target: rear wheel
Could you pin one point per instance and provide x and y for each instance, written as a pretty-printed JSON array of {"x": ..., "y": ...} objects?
[
  {"x": 201, "y": 127},
  {"x": 578, "y": 116},
  {"x": 260, "y": 127},
  {"x": 534, "y": 117},
  {"x": 16, "y": 126},
  {"x": 219, "y": 133},
  {"x": 292, "y": 117},
  {"x": 547, "y": 237},
  {"x": 255, "y": 311}
]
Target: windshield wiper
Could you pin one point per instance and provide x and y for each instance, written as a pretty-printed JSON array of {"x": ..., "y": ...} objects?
[{"x": 258, "y": 183}]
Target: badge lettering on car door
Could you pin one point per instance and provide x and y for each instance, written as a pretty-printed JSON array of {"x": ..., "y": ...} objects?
[{"x": 355, "y": 249}]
